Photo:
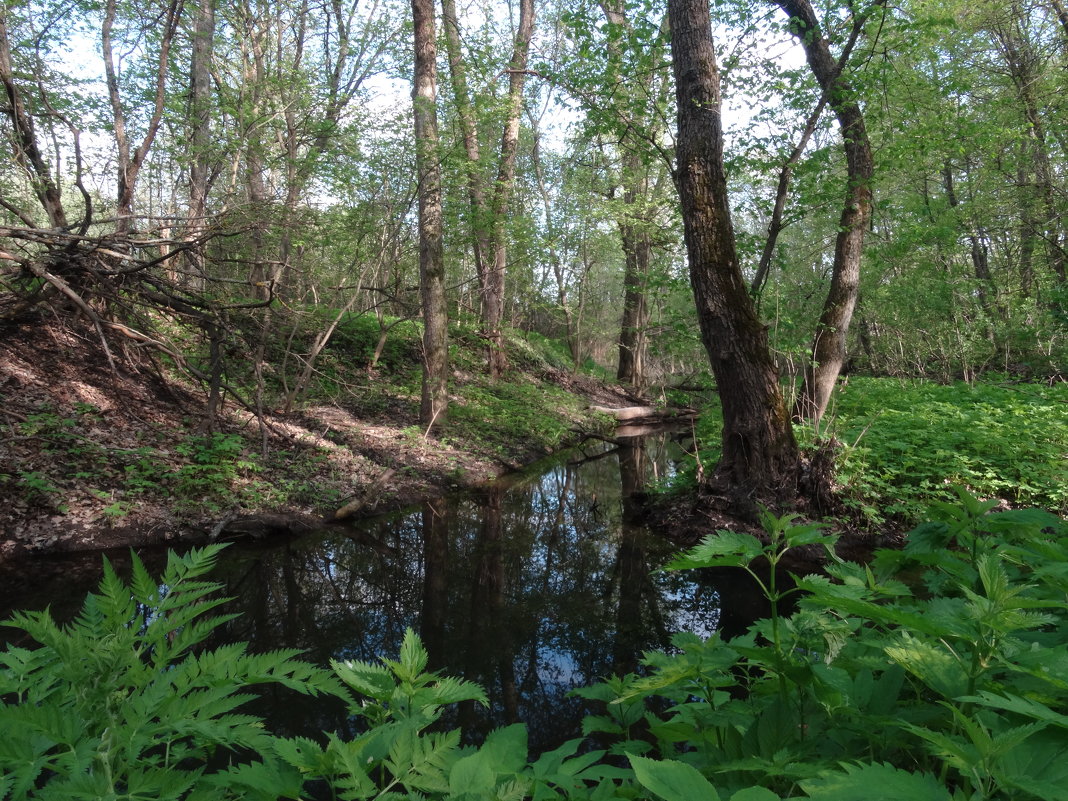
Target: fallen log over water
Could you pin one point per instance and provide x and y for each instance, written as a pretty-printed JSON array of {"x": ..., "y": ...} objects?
[{"x": 646, "y": 414}]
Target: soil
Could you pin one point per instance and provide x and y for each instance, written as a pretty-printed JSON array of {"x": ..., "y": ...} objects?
[{"x": 77, "y": 434}]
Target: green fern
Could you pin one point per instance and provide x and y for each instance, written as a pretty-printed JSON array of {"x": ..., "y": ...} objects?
[{"x": 117, "y": 705}]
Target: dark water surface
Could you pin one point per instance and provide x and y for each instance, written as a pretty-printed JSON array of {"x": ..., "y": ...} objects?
[{"x": 530, "y": 587}]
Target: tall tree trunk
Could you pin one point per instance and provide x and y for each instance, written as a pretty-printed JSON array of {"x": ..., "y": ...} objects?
[
  {"x": 435, "y": 397},
  {"x": 200, "y": 65},
  {"x": 979, "y": 253},
  {"x": 570, "y": 331},
  {"x": 760, "y": 457},
  {"x": 1024, "y": 69},
  {"x": 636, "y": 214},
  {"x": 493, "y": 292},
  {"x": 489, "y": 209},
  {"x": 481, "y": 243},
  {"x": 637, "y": 251},
  {"x": 829, "y": 343}
]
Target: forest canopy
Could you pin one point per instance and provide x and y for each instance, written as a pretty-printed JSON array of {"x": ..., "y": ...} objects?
[{"x": 893, "y": 183}]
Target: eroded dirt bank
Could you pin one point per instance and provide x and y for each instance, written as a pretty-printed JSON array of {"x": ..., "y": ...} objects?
[{"x": 95, "y": 457}]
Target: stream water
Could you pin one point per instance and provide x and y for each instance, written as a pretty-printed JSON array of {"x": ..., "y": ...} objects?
[{"x": 532, "y": 586}]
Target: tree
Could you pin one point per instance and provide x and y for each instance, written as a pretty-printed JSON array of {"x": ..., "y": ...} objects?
[
  {"x": 435, "y": 397},
  {"x": 25, "y": 148},
  {"x": 200, "y": 100},
  {"x": 489, "y": 208},
  {"x": 157, "y": 26},
  {"x": 760, "y": 456},
  {"x": 829, "y": 343}
]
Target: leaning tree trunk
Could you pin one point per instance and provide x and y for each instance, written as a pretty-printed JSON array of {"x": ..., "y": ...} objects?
[
  {"x": 493, "y": 289},
  {"x": 829, "y": 343},
  {"x": 26, "y": 150},
  {"x": 760, "y": 457},
  {"x": 435, "y": 398}
]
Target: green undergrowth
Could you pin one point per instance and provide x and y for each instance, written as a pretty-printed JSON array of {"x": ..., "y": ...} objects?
[
  {"x": 909, "y": 442},
  {"x": 194, "y": 472},
  {"x": 950, "y": 686},
  {"x": 904, "y": 444}
]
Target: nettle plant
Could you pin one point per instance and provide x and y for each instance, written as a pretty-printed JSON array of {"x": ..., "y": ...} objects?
[{"x": 951, "y": 686}]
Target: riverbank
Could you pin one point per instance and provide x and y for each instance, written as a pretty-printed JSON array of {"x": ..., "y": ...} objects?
[{"x": 94, "y": 457}]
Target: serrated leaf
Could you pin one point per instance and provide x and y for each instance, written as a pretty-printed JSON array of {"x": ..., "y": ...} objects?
[
  {"x": 858, "y": 783},
  {"x": 472, "y": 774},
  {"x": 724, "y": 548}
]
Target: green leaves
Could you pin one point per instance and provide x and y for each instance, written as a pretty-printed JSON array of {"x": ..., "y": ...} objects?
[
  {"x": 117, "y": 703},
  {"x": 402, "y": 689},
  {"x": 672, "y": 780},
  {"x": 866, "y": 691},
  {"x": 722, "y": 549},
  {"x": 882, "y": 781}
]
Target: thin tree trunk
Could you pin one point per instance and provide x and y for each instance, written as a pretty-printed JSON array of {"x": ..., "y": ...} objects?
[
  {"x": 131, "y": 160},
  {"x": 435, "y": 398},
  {"x": 200, "y": 65},
  {"x": 760, "y": 457},
  {"x": 493, "y": 291},
  {"x": 1024, "y": 67},
  {"x": 1062, "y": 14},
  {"x": 979, "y": 254},
  {"x": 775, "y": 225},
  {"x": 829, "y": 343},
  {"x": 554, "y": 255},
  {"x": 637, "y": 251},
  {"x": 636, "y": 217},
  {"x": 489, "y": 208},
  {"x": 481, "y": 243}
]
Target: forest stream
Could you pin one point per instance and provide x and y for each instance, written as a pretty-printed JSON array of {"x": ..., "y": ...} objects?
[{"x": 531, "y": 586}]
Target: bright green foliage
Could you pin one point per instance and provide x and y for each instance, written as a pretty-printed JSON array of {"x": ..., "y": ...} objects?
[
  {"x": 496, "y": 416},
  {"x": 908, "y": 442},
  {"x": 959, "y": 692},
  {"x": 118, "y": 704},
  {"x": 952, "y": 685}
]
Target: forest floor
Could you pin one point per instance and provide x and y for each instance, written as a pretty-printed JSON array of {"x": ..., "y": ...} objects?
[{"x": 94, "y": 457}]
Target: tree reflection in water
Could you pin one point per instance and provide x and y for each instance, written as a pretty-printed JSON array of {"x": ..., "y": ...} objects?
[{"x": 531, "y": 587}]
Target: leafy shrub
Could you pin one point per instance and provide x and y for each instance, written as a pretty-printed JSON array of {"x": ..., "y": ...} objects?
[
  {"x": 215, "y": 461},
  {"x": 118, "y": 704},
  {"x": 871, "y": 689}
]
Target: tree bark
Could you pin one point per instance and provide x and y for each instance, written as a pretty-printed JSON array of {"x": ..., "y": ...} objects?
[
  {"x": 760, "y": 457},
  {"x": 435, "y": 397},
  {"x": 130, "y": 158},
  {"x": 829, "y": 343},
  {"x": 489, "y": 208},
  {"x": 979, "y": 253},
  {"x": 637, "y": 214},
  {"x": 637, "y": 251},
  {"x": 200, "y": 65},
  {"x": 1024, "y": 69},
  {"x": 493, "y": 290},
  {"x": 26, "y": 150}
]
